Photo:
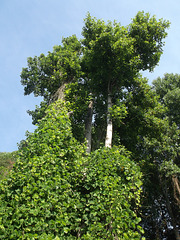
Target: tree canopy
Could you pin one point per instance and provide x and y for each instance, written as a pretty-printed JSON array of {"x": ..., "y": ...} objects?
[{"x": 106, "y": 61}]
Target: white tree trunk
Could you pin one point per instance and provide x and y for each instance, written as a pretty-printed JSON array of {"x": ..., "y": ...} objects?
[
  {"x": 88, "y": 127},
  {"x": 108, "y": 141}
]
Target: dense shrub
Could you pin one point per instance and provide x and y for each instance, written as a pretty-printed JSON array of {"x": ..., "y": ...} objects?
[
  {"x": 57, "y": 191},
  {"x": 111, "y": 192}
]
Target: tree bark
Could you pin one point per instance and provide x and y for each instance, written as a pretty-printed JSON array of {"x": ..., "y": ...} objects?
[
  {"x": 108, "y": 141},
  {"x": 88, "y": 127},
  {"x": 59, "y": 94},
  {"x": 176, "y": 188},
  {"x": 175, "y": 229}
]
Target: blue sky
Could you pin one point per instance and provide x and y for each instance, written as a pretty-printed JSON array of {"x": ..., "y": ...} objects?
[{"x": 31, "y": 27}]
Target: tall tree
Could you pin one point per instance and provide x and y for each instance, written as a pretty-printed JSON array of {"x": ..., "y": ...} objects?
[
  {"x": 98, "y": 76},
  {"x": 114, "y": 55},
  {"x": 107, "y": 59}
]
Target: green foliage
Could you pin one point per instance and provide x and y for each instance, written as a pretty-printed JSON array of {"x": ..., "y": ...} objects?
[
  {"x": 148, "y": 35},
  {"x": 154, "y": 143},
  {"x": 114, "y": 55},
  {"x": 108, "y": 49},
  {"x": 39, "y": 112},
  {"x": 170, "y": 169},
  {"x": 77, "y": 97},
  {"x": 106, "y": 59},
  {"x": 40, "y": 191},
  {"x": 55, "y": 191},
  {"x": 168, "y": 89},
  {"x": 112, "y": 185},
  {"x": 96, "y": 196},
  {"x": 6, "y": 163},
  {"x": 44, "y": 75},
  {"x": 142, "y": 119}
]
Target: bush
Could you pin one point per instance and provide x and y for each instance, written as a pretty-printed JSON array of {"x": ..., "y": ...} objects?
[
  {"x": 111, "y": 193},
  {"x": 56, "y": 191}
]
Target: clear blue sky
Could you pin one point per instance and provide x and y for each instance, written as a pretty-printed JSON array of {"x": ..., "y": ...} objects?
[{"x": 32, "y": 27}]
